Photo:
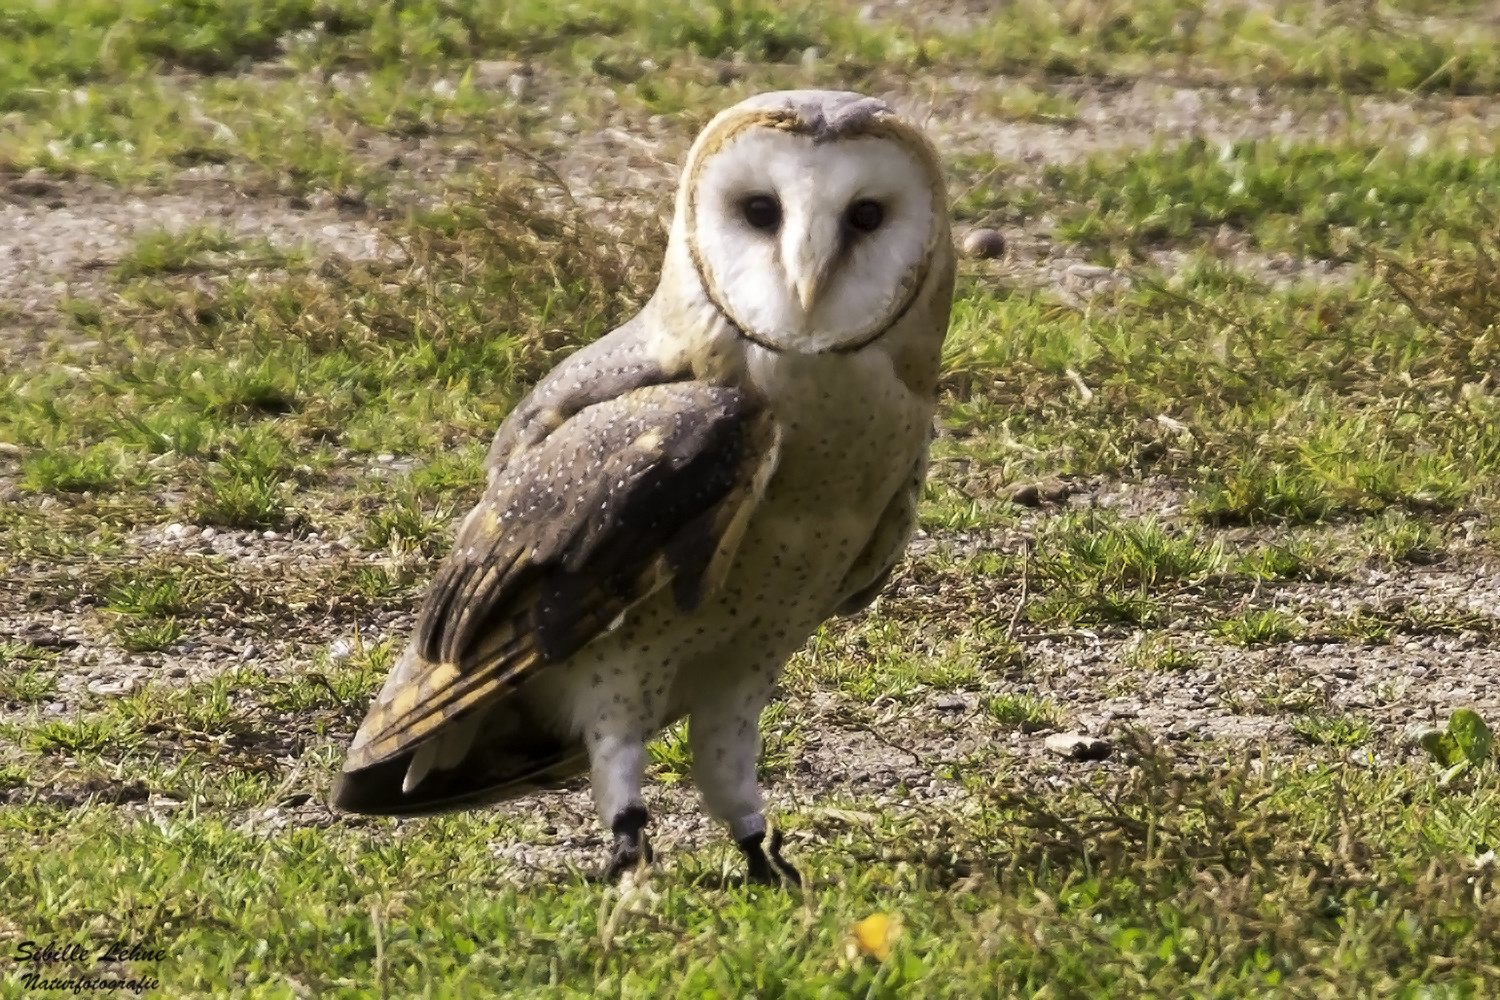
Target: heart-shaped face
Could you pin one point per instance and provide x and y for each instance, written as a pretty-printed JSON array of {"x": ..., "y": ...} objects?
[{"x": 812, "y": 218}]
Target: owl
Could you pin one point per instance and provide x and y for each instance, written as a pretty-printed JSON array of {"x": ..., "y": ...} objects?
[{"x": 676, "y": 507}]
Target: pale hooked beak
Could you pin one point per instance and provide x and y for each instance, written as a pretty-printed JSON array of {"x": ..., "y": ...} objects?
[{"x": 812, "y": 245}]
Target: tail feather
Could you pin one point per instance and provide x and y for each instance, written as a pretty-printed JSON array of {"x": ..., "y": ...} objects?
[{"x": 492, "y": 771}]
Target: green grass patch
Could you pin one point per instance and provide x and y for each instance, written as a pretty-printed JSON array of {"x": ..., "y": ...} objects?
[
  {"x": 1020, "y": 710},
  {"x": 1263, "y": 627},
  {"x": 1293, "y": 406},
  {"x": 1091, "y": 890},
  {"x": 1321, "y": 201},
  {"x": 1343, "y": 46},
  {"x": 1333, "y": 730},
  {"x": 25, "y": 682},
  {"x": 148, "y": 636},
  {"x": 1397, "y": 537},
  {"x": 1162, "y": 651}
]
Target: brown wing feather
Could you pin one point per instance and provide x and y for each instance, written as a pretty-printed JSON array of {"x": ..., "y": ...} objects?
[{"x": 620, "y": 499}]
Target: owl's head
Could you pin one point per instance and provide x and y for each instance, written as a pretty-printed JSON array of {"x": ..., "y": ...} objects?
[{"x": 812, "y": 218}]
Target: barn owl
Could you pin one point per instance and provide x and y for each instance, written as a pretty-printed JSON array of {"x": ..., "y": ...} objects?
[{"x": 676, "y": 507}]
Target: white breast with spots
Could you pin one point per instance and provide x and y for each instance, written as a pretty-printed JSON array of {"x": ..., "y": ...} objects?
[{"x": 851, "y": 432}]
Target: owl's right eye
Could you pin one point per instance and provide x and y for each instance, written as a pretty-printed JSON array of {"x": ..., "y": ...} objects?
[{"x": 763, "y": 212}]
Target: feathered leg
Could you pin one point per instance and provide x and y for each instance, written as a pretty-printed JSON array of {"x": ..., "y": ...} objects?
[
  {"x": 724, "y": 733},
  {"x": 618, "y": 764}
]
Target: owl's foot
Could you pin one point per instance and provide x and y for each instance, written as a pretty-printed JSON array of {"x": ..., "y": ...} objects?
[
  {"x": 768, "y": 868},
  {"x": 631, "y": 846}
]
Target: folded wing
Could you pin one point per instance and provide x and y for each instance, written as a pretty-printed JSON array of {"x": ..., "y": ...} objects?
[{"x": 647, "y": 490}]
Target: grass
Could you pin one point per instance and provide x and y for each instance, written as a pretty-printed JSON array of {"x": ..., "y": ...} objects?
[
  {"x": 1330, "y": 730},
  {"x": 26, "y": 682},
  {"x": 1160, "y": 651},
  {"x": 1339, "y": 860},
  {"x": 1316, "y": 200},
  {"x": 1214, "y": 456},
  {"x": 1023, "y": 711},
  {"x": 1263, "y": 627}
]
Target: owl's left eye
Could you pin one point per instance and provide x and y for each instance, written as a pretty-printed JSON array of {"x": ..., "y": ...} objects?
[{"x": 865, "y": 215}]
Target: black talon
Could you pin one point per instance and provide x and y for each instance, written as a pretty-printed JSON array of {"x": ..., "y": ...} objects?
[
  {"x": 761, "y": 871},
  {"x": 786, "y": 868},
  {"x": 772, "y": 870},
  {"x": 631, "y": 846}
]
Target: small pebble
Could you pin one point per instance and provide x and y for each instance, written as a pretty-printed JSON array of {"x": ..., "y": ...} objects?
[
  {"x": 985, "y": 243},
  {"x": 1076, "y": 746}
]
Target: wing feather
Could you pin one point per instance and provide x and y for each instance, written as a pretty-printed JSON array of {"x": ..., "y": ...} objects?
[{"x": 622, "y": 498}]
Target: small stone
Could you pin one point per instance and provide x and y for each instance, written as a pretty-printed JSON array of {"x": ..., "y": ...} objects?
[
  {"x": 209, "y": 534},
  {"x": 1033, "y": 494},
  {"x": 250, "y": 652},
  {"x": 951, "y": 703},
  {"x": 1027, "y": 495},
  {"x": 1076, "y": 746},
  {"x": 1414, "y": 733},
  {"x": 492, "y": 74},
  {"x": 35, "y": 183},
  {"x": 984, "y": 243},
  {"x": 6, "y": 448},
  {"x": 1055, "y": 491}
]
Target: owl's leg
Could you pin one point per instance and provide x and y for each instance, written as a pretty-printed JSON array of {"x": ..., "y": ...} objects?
[
  {"x": 631, "y": 846},
  {"x": 724, "y": 734},
  {"x": 618, "y": 765}
]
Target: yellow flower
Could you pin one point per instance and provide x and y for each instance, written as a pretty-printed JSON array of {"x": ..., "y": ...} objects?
[{"x": 874, "y": 936}]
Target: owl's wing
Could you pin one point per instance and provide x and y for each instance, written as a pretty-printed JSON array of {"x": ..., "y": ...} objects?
[
  {"x": 877, "y": 562},
  {"x": 626, "y": 496}
]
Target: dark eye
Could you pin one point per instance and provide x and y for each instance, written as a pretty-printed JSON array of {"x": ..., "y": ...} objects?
[
  {"x": 865, "y": 215},
  {"x": 762, "y": 212}
]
